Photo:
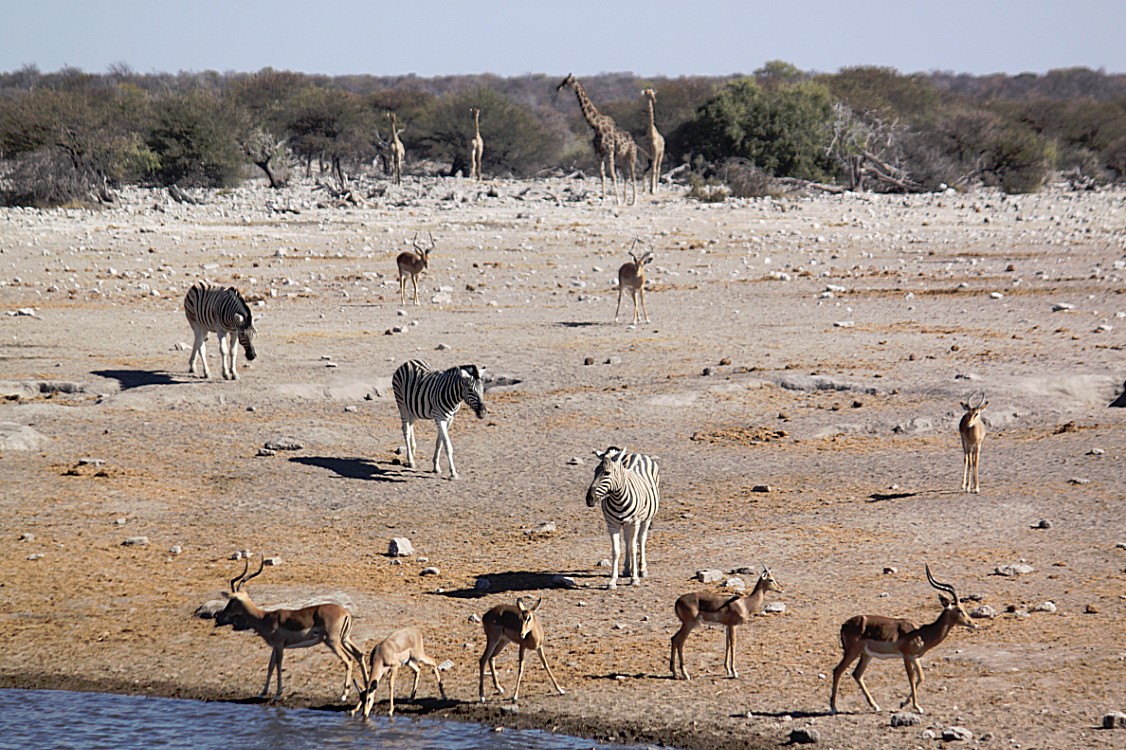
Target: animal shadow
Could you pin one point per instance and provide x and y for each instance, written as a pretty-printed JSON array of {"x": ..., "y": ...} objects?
[
  {"x": 137, "y": 378},
  {"x": 512, "y": 580},
  {"x": 577, "y": 324},
  {"x": 351, "y": 468},
  {"x": 1120, "y": 402}
]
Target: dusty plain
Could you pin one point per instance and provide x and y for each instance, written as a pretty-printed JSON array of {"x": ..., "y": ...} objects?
[{"x": 815, "y": 347}]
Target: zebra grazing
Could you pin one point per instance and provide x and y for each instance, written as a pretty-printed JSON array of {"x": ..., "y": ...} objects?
[
  {"x": 424, "y": 393},
  {"x": 628, "y": 487},
  {"x": 224, "y": 311}
]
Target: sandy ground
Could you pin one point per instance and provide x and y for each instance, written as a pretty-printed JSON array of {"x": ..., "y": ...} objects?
[{"x": 818, "y": 347}]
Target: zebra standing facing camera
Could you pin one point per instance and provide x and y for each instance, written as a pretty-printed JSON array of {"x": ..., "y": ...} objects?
[
  {"x": 224, "y": 311},
  {"x": 628, "y": 487},
  {"x": 422, "y": 392}
]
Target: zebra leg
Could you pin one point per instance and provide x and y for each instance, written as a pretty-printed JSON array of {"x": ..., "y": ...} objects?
[
  {"x": 232, "y": 350},
  {"x": 642, "y": 538},
  {"x": 615, "y": 554},
  {"x": 199, "y": 348},
  {"x": 444, "y": 440},
  {"x": 408, "y": 440},
  {"x": 224, "y": 344},
  {"x": 632, "y": 530}
]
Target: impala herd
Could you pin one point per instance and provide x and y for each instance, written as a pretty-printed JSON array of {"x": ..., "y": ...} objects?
[{"x": 863, "y": 637}]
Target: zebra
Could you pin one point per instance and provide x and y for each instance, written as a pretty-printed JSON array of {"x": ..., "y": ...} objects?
[
  {"x": 224, "y": 311},
  {"x": 628, "y": 487},
  {"x": 422, "y": 392}
]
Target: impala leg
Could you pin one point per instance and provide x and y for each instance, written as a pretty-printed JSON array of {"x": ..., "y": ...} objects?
[
  {"x": 347, "y": 656},
  {"x": 489, "y": 658},
  {"x": 437, "y": 675},
  {"x": 394, "y": 671},
  {"x": 966, "y": 471},
  {"x": 543, "y": 660},
  {"x": 417, "y": 673},
  {"x": 618, "y": 309},
  {"x": 914, "y": 679},
  {"x": 414, "y": 280},
  {"x": 976, "y": 460},
  {"x": 641, "y": 295},
  {"x": 858, "y": 675},
  {"x": 678, "y": 649},
  {"x": 402, "y": 289},
  {"x": 270, "y": 674},
  {"x": 729, "y": 657},
  {"x": 519, "y": 673},
  {"x": 838, "y": 672}
]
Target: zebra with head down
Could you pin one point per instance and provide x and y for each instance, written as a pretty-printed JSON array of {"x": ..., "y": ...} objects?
[
  {"x": 422, "y": 392},
  {"x": 627, "y": 485},
  {"x": 224, "y": 311}
]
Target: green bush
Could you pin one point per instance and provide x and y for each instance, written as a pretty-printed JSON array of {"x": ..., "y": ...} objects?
[{"x": 194, "y": 139}]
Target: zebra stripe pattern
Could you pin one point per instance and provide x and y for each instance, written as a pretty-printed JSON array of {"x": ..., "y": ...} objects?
[
  {"x": 424, "y": 393},
  {"x": 221, "y": 310},
  {"x": 627, "y": 485}
]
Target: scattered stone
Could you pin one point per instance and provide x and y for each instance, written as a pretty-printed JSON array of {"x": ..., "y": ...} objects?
[
  {"x": 1078, "y": 480},
  {"x": 575, "y": 461},
  {"x": 734, "y": 583},
  {"x": 349, "y": 408},
  {"x": 1045, "y": 607},
  {"x": 1062, "y": 306},
  {"x": 844, "y": 324},
  {"x": 35, "y": 556},
  {"x": 91, "y": 462},
  {"x": 18, "y": 437},
  {"x": 603, "y": 563},
  {"x": 725, "y": 361},
  {"x": 271, "y": 562},
  {"x": 1043, "y": 523},
  {"x": 709, "y": 576},
  {"x": 1114, "y": 720},
  {"x": 446, "y": 666},
  {"x": 762, "y": 488},
  {"x": 1091, "y": 609},
  {"x": 588, "y": 361},
  {"x": 890, "y": 570},
  {"x": 1018, "y": 569},
  {"x": 283, "y": 444},
  {"x": 564, "y": 582},
  {"x": 905, "y": 719},
  {"x": 429, "y": 572},
  {"x": 120, "y": 521},
  {"x": 996, "y": 295},
  {"x": 267, "y": 452},
  {"x": 400, "y": 547},
  {"x": 927, "y": 734},
  {"x": 27, "y": 537},
  {"x": 442, "y": 347},
  {"x": 775, "y": 608},
  {"x": 175, "y": 549},
  {"x": 545, "y": 528},
  {"x": 135, "y": 541},
  {"x": 1096, "y": 452},
  {"x": 208, "y": 610},
  {"x": 804, "y": 736},
  {"x": 957, "y": 734},
  {"x": 984, "y": 612}
]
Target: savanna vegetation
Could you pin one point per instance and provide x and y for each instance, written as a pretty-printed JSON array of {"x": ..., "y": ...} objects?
[{"x": 71, "y": 137}]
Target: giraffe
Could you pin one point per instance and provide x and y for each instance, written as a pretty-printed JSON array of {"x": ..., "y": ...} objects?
[
  {"x": 477, "y": 147},
  {"x": 610, "y": 141},
  {"x": 656, "y": 144},
  {"x": 398, "y": 151}
]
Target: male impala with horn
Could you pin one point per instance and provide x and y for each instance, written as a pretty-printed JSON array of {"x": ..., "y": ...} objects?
[{"x": 292, "y": 628}]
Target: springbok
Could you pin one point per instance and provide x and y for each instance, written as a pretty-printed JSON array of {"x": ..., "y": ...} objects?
[
  {"x": 972, "y": 430},
  {"x": 412, "y": 264},
  {"x": 506, "y": 624},
  {"x": 401, "y": 647},
  {"x": 631, "y": 276},
  {"x": 872, "y": 636},
  {"x": 729, "y": 610},
  {"x": 327, "y": 623}
]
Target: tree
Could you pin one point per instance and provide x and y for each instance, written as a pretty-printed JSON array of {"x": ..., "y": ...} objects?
[{"x": 332, "y": 125}]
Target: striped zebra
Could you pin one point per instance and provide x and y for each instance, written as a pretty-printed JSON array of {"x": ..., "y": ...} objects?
[
  {"x": 422, "y": 392},
  {"x": 628, "y": 485},
  {"x": 224, "y": 311}
]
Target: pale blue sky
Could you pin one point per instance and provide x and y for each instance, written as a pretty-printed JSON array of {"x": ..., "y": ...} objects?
[{"x": 646, "y": 37}]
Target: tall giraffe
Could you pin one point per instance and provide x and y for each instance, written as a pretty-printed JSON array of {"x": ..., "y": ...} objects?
[
  {"x": 610, "y": 142},
  {"x": 477, "y": 147},
  {"x": 398, "y": 151},
  {"x": 656, "y": 144}
]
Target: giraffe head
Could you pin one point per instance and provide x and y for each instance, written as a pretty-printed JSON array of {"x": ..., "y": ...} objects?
[
  {"x": 568, "y": 81},
  {"x": 650, "y": 94}
]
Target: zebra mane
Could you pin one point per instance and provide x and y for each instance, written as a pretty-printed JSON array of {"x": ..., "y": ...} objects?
[{"x": 248, "y": 321}]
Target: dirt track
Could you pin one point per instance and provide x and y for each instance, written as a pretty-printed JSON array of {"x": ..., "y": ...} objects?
[{"x": 818, "y": 347}]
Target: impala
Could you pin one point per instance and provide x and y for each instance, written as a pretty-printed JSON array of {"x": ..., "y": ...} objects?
[
  {"x": 412, "y": 264},
  {"x": 291, "y": 628},
  {"x": 728, "y": 610},
  {"x": 506, "y": 624},
  {"x": 871, "y": 636},
  {"x": 401, "y": 647},
  {"x": 631, "y": 276},
  {"x": 972, "y": 430}
]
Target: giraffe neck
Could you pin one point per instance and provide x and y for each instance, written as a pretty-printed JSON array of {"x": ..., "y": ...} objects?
[
  {"x": 594, "y": 118},
  {"x": 652, "y": 121}
]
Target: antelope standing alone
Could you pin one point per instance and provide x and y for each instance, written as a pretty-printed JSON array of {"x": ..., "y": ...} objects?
[
  {"x": 972, "y": 430},
  {"x": 631, "y": 276},
  {"x": 506, "y": 624},
  {"x": 326, "y": 623},
  {"x": 401, "y": 647},
  {"x": 412, "y": 265},
  {"x": 871, "y": 636},
  {"x": 729, "y": 610}
]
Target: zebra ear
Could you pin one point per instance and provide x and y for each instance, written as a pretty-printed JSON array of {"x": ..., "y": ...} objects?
[
  {"x": 471, "y": 371},
  {"x": 239, "y": 319}
]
